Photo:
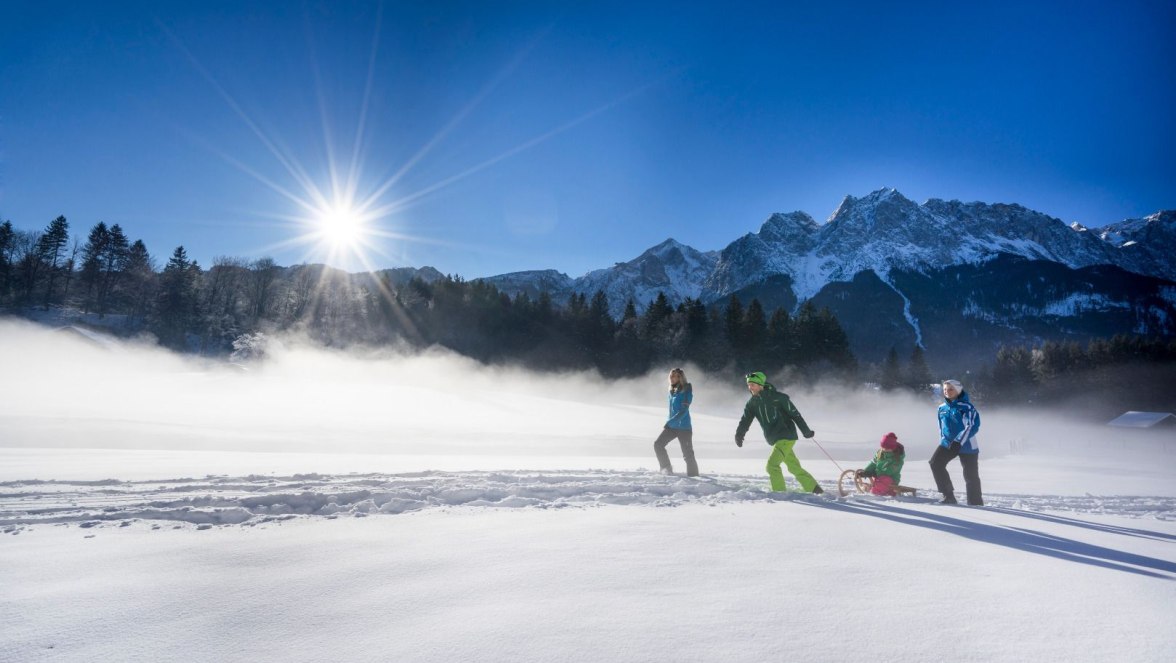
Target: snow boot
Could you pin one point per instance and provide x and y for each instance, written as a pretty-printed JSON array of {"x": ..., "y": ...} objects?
[
  {"x": 948, "y": 498},
  {"x": 817, "y": 490}
]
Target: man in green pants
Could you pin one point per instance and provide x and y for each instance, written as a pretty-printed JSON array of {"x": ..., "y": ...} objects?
[{"x": 779, "y": 418}]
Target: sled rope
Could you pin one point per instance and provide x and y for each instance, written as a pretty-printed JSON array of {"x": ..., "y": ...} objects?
[{"x": 826, "y": 454}]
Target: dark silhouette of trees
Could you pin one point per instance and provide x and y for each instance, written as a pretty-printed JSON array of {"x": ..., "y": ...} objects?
[
  {"x": 1101, "y": 380},
  {"x": 918, "y": 375},
  {"x": 891, "y": 371},
  {"x": 211, "y": 311},
  {"x": 176, "y": 303},
  {"x": 50, "y": 250},
  {"x": 7, "y": 251}
]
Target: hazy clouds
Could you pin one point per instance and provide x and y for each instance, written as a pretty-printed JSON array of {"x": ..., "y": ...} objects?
[{"x": 60, "y": 389}]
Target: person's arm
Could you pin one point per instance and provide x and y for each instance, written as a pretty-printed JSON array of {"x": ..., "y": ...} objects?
[
  {"x": 800, "y": 423},
  {"x": 744, "y": 423},
  {"x": 687, "y": 396},
  {"x": 971, "y": 422},
  {"x": 870, "y": 470}
]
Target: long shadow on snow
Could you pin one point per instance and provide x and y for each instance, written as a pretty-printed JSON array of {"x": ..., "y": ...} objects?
[
  {"x": 1062, "y": 520},
  {"x": 1011, "y": 537}
]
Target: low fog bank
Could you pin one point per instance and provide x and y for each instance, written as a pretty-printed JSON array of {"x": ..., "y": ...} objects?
[{"x": 61, "y": 389}]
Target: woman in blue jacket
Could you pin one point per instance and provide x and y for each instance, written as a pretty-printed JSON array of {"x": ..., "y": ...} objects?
[
  {"x": 958, "y": 424},
  {"x": 678, "y": 425}
]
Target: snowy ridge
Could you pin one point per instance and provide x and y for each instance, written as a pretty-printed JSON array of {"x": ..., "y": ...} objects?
[
  {"x": 884, "y": 231},
  {"x": 879, "y": 232},
  {"x": 670, "y": 267},
  {"x": 256, "y": 500},
  {"x": 1146, "y": 245}
]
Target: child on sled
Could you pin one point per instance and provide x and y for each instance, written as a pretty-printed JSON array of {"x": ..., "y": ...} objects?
[{"x": 886, "y": 468}]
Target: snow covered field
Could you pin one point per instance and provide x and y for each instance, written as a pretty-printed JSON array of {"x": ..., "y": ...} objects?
[{"x": 323, "y": 507}]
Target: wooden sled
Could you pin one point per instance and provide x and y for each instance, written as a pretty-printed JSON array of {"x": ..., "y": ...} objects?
[{"x": 851, "y": 482}]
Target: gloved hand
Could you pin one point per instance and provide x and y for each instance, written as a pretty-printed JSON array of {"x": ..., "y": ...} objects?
[
  {"x": 955, "y": 447},
  {"x": 868, "y": 473},
  {"x": 810, "y": 433},
  {"x": 738, "y": 440}
]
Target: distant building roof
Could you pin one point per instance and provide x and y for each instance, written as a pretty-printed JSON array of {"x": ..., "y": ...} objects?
[
  {"x": 1135, "y": 419},
  {"x": 99, "y": 339}
]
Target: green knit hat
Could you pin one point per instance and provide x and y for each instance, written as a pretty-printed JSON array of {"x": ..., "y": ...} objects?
[{"x": 757, "y": 378}]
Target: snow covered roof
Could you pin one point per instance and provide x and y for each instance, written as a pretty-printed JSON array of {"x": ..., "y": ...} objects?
[
  {"x": 104, "y": 341},
  {"x": 1135, "y": 419}
]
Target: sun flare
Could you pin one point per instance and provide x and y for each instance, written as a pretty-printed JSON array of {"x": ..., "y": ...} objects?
[{"x": 341, "y": 226}]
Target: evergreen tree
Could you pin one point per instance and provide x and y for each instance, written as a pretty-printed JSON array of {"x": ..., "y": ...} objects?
[
  {"x": 630, "y": 311},
  {"x": 175, "y": 309},
  {"x": 140, "y": 282},
  {"x": 654, "y": 324},
  {"x": 7, "y": 248},
  {"x": 835, "y": 344},
  {"x": 807, "y": 334},
  {"x": 918, "y": 377},
  {"x": 600, "y": 328},
  {"x": 697, "y": 330},
  {"x": 754, "y": 333},
  {"x": 114, "y": 263},
  {"x": 733, "y": 317},
  {"x": 50, "y": 250},
  {"x": 891, "y": 372},
  {"x": 1012, "y": 375},
  {"x": 781, "y": 343},
  {"x": 92, "y": 259}
]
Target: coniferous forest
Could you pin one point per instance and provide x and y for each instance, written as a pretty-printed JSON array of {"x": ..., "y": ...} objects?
[{"x": 231, "y": 307}]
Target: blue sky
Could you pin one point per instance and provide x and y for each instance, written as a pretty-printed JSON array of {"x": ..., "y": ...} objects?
[{"x": 491, "y": 137}]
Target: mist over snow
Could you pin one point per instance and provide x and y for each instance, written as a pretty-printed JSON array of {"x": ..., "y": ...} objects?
[
  {"x": 65, "y": 390},
  {"x": 321, "y": 505}
]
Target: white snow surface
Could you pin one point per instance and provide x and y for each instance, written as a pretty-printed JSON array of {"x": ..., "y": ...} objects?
[{"x": 322, "y": 507}]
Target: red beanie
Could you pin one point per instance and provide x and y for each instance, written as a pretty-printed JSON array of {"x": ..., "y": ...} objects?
[{"x": 890, "y": 442}]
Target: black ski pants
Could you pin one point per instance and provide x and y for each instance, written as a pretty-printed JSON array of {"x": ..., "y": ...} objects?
[
  {"x": 971, "y": 465},
  {"x": 686, "y": 439}
]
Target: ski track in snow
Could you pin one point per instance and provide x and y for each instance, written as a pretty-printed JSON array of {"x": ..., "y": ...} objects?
[{"x": 253, "y": 500}]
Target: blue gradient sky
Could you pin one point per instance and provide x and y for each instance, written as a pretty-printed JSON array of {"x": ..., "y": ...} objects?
[{"x": 524, "y": 135}]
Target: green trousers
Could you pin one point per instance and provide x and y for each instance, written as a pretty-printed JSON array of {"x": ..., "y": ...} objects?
[{"x": 782, "y": 453}]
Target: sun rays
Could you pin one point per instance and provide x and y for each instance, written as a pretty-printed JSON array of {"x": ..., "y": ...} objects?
[{"x": 335, "y": 212}]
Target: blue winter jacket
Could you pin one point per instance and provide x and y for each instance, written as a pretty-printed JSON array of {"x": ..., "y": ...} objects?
[
  {"x": 959, "y": 422},
  {"x": 680, "y": 408}
]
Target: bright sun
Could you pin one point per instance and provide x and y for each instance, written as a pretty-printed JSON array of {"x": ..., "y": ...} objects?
[{"x": 342, "y": 227}]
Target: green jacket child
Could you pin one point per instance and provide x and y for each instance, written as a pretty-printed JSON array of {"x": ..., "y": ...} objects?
[
  {"x": 779, "y": 419},
  {"x": 886, "y": 468}
]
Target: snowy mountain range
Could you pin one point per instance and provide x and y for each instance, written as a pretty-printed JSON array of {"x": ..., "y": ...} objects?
[
  {"x": 670, "y": 267},
  {"x": 887, "y": 251}
]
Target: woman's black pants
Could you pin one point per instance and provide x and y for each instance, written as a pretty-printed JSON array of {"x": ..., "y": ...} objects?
[
  {"x": 971, "y": 465},
  {"x": 686, "y": 439}
]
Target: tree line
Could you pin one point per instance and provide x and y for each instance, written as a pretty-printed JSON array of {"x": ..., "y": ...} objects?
[
  {"x": 1105, "y": 376},
  {"x": 234, "y": 303}
]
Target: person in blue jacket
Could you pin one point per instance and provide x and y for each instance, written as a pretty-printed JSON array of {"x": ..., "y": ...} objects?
[
  {"x": 678, "y": 425},
  {"x": 958, "y": 424}
]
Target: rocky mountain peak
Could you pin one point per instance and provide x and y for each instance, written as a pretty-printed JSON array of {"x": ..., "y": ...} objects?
[
  {"x": 792, "y": 228},
  {"x": 883, "y": 208}
]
